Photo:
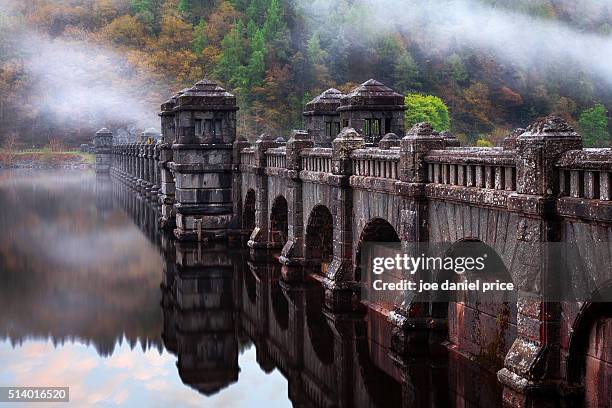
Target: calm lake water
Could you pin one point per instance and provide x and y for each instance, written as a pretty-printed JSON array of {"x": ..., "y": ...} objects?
[{"x": 93, "y": 297}]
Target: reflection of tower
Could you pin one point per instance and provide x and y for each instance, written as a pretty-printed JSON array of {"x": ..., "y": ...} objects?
[
  {"x": 205, "y": 327},
  {"x": 104, "y": 195},
  {"x": 168, "y": 290}
]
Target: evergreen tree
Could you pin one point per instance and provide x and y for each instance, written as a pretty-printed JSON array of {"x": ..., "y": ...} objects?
[
  {"x": 274, "y": 28},
  {"x": 256, "y": 69},
  {"x": 230, "y": 69},
  {"x": 200, "y": 41}
]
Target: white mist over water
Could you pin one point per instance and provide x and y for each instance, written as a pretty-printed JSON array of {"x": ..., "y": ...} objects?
[
  {"x": 80, "y": 82},
  {"x": 74, "y": 81},
  {"x": 513, "y": 38}
]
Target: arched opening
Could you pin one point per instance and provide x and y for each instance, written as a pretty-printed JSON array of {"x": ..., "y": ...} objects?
[
  {"x": 376, "y": 230},
  {"x": 279, "y": 226},
  {"x": 590, "y": 359},
  {"x": 484, "y": 324},
  {"x": 319, "y": 239},
  {"x": 248, "y": 213}
]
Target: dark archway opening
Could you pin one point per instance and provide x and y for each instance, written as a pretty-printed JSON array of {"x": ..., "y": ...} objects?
[
  {"x": 376, "y": 230},
  {"x": 482, "y": 324},
  {"x": 590, "y": 359},
  {"x": 248, "y": 213},
  {"x": 320, "y": 239},
  {"x": 279, "y": 225}
]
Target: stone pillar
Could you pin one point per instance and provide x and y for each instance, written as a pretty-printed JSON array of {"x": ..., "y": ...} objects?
[
  {"x": 259, "y": 237},
  {"x": 167, "y": 185},
  {"x": 339, "y": 283},
  {"x": 139, "y": 166},
  {"x": 148, "y": 167},
  {"x": 134, "y": 163},
  {"x": 411, "y": 322},
  {"x": 205, "y": 118},
  {"x": 531, "y": 372},
  {"x": 155, "y": 190},
  {"x": 292, "y": 255},
  {"x": 103, "y": 144},
  {"x": 236, "y": 225}
]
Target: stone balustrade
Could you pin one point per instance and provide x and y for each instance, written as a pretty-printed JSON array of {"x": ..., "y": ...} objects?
[
  {"x": 376, "y": 163},
  {"x": 247, "y": 157},
  {"x": 276, "y": 157},
  {"x": 586, "y": 174},
  {"x": 317, "y": 159},
  {"x": 490, "y": 168}
]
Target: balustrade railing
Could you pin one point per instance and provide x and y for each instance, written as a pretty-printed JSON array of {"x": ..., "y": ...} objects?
[
  {"x": 376, "y": 163},
  {"x": 586, "y": 174},
  {"x": 490, "y": 168},
  {"x": 247, "y": 156},
  {"x": 276, "y": 157},
  {"x": 318, "y": 159}
]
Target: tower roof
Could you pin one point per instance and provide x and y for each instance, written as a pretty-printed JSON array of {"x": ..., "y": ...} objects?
[
  {"x": 328, "y": 101},
  {"x": 104, "y": 131},
  {"x": 206, "y": 95},
  {"x": 372, "y": 95},
  {"x": 167, "y": 106}
]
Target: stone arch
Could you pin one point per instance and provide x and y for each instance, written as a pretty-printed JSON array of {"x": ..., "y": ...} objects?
[
  {"x": 279, "y": 222},
  {"x": 375, "y": 230},
  {"x": 484, "y": 325},
  {"x": 589, "y": 361},
  {"x": 319, "y": 239},
  {"x": 248, "y": 212}
]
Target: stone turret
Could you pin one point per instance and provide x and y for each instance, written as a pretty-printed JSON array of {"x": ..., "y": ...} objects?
[
  {"x": 373, "y": 110},
  {"x": 322, "y": 119},
  {"x": 103, "y": 143},
  {"x": 205, "y": 124}
]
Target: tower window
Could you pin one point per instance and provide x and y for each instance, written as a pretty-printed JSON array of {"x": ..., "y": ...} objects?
[
  {"x": 371, "y": 127},
  {"x": 387, "y": 125},
  {"x": 198, "y": 127},
  {"x": 332, "y": 129}
]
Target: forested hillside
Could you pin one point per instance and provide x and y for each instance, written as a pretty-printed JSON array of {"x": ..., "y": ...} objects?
[{"x": 276, "y": 55}]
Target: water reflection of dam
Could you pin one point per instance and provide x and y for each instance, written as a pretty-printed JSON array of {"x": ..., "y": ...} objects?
[
  {"x": 217, "y": 300},
  {"x": 72, "y": 265}
]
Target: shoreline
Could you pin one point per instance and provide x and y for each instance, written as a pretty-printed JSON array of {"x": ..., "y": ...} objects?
[
  {"x": 46, "y": 166},
  {"x": 46, "y": 160}
]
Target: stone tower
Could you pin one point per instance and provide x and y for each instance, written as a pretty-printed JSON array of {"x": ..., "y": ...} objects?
[
  {"x": 205, "y": 126},
  {"x": 322, "y": 119},
  {"x": 373, "y": 110},
  {"x": 103, "y": 144}
]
